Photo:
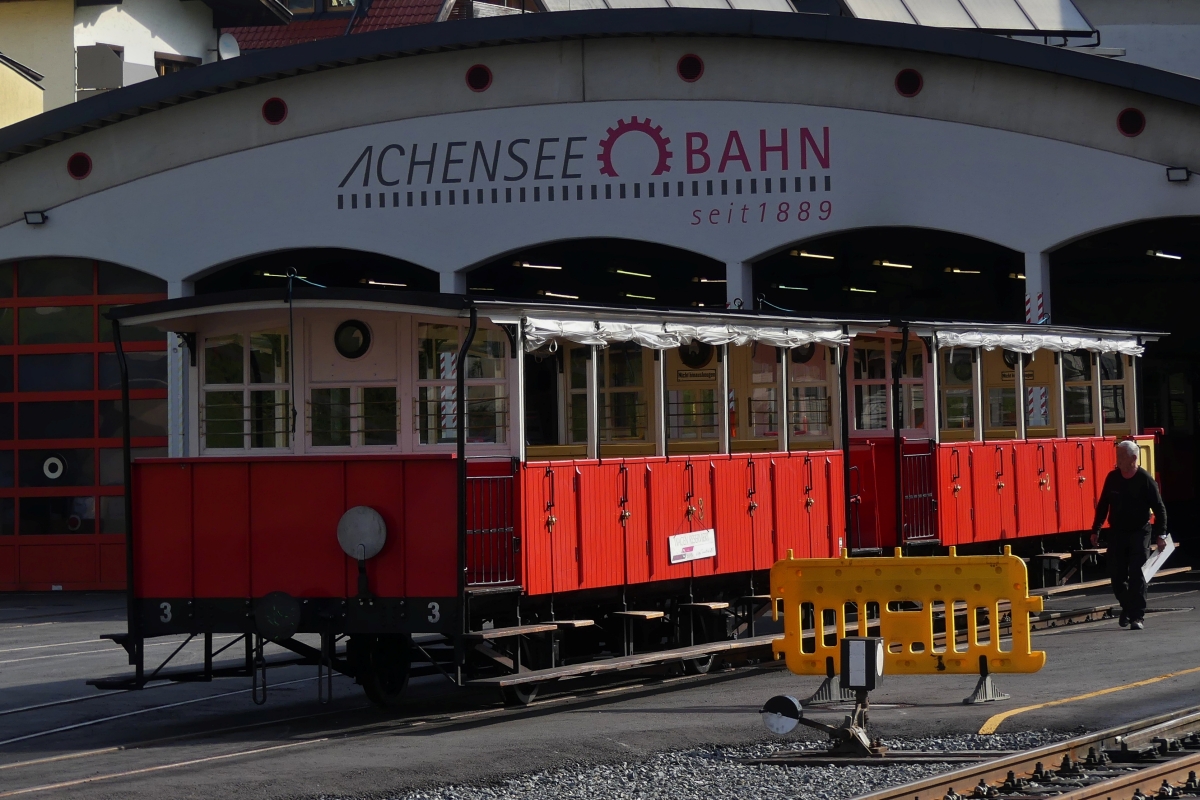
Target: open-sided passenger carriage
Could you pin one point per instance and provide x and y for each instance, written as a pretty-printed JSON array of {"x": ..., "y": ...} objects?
[{"x": 597, "y": 480}]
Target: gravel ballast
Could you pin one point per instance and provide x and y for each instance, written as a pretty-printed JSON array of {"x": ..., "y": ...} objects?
[{"x": 716, "y": 772}]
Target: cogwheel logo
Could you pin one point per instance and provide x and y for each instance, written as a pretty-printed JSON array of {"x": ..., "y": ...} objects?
[{"x": 634, "y": 125}]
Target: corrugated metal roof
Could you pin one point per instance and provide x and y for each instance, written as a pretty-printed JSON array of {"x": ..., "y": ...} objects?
[{"x": 1015, "y": 17}]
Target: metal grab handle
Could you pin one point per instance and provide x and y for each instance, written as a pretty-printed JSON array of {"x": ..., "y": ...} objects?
[
  {"x": 1041, "y": 450},
  {"x": 1081, "y": 463},
  {"x": 1000, "y": 460},
  {"x": 955, "y": 466},
  {"x": 551, "y": 519},
  {"x": 625, "y": 514}
]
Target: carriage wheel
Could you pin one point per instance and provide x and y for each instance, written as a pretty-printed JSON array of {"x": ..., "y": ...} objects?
[{"x": 384, "y": 668}]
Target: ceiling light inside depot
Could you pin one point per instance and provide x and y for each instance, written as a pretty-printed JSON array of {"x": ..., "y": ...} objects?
[
  {"x": 639, "y": 296},
  {"x": 958, "y": 271},
  {"x": 792, "y": 288},
  {"x": 382, "y": 283},
  {"x": 480, "y": 289},
  {"x": 1017, "y": 276},
  {"x": 863, "y": 291},
  {"x": 527, "y": 265},
  {"x": 1161, "y": 254},
  {"x": 634, "y": 274},
  {"x": 806, "y": 254},
  {"x": 277, "y": 275},
  {"x": 892, "y": 264},
  {"x": 708, "y": 280},
  {"x": 559, "y": 296}
]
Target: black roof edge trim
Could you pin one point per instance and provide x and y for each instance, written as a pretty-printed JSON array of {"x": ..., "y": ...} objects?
[
  {"x": 33, "y": 133},
  {"x": 200, "y": 302}
]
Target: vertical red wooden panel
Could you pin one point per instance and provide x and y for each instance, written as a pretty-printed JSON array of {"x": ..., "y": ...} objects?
[
  {"x": 762, "y": 550},
  {"x": 564, "y": 534},
  {"x": 381, "y": 486},
  {"x": 635, "y": 483},
  {"x": 704, "y": 468},
  {"x": 992, "y": 484},
  {"x": 734, "y": 488},
  {"x": 818, "y": 501},
  {"x": 834, "y": 470},
  {"x": 294, "y": 511},
  {"x": 163, "y": 521},
  {"x": 670, "y": 484},
  {"x": 1027, "y": 490},
  {"x": 1104, "y": 461},
  {"x": 431, "y": 528},
  {"x": 1068, "y": 456},
  {"x": 536, "y": 550},
  {"x": 947, "y": 488},
  {"x": 791, "y": 523},
  {"x": 222, "y": 530},
  {"x": 869, "y": 475},
  {"x": 602, "y": 536}
]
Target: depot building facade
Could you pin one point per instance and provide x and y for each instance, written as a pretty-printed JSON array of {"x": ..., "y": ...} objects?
[{"x": 748, "y": 160}]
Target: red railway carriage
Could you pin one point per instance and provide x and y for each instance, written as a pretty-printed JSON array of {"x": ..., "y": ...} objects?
[{"x": 586, "y": 464}]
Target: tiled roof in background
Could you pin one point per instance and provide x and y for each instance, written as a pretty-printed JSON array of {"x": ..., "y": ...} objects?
[{"x": 381, "y": 14}]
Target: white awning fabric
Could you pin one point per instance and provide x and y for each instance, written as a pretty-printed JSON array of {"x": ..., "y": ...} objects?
[
  {"x": 1028, "y": 343},
  {"x": 667, "y": 335}
]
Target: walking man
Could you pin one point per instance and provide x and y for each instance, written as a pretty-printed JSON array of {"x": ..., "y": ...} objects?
[{"x": 1129, "y": 495}]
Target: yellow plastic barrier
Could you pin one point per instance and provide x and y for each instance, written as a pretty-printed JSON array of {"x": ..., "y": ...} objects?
[{"x": 896, "y": 599}]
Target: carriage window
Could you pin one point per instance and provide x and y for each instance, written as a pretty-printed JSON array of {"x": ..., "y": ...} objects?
[
  {"x": 246, "y": 400},
  {"x": 762, "y": 414},
  {"x": 1112, "y": 377},
  {"x": 808, "y": 401},
  {"x": 436, "y": 408},
  {"x": 1077, "y": 387},
  {"x": 622, "y": 395},
  {"x": 875, "y": 361},
  {"x": 958, "y": 407}
]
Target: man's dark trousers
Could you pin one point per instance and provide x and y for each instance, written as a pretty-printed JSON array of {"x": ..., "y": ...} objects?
[{"x": 1127, "y": 552}]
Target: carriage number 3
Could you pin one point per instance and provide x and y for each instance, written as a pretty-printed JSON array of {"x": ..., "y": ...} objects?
[
  {"x": 435, "y": 612},
  {"x": 165, "y": 608}
]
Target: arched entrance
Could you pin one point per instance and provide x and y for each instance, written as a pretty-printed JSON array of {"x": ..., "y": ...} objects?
[
  {"x": 603, "y": 271},
  {"x": 907, "y": 273},
  {"x": 62, "y": 520},
  {"x": 327, "y": 266},
  {"x": 1147, "y": 277}
]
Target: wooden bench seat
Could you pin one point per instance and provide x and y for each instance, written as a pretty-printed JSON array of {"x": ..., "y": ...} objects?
[{"x": 515, "y": 630}]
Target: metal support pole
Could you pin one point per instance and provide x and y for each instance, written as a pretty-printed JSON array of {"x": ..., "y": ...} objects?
[
  {"x": 133, "y": 626},
  {"x": 1098, "y": 388},
  {"x": 781, "y": 408},
  {"x": 723, "y": 398},
  {"x": 1019, "y": 387},
  {"x": 934, "y": 405},
  {"x": 460, "y": 387},
  {"x": 977, "y": 391},
  {"x": 593, "y": 402},
  {"x": 661, "y": 406},
  {"x": 1133, "y": 403},
  {"x": 517, "y": 406},
  {"x": 1060, "y": 394},
  {"x": 898, "y": 366},
  {"x": 844, "y": 355}
]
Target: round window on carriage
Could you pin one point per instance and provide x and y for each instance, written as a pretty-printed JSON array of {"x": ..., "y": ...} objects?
[
  {"x": 696, "y": 354},
  {"x": 352, "y": 339},
  {"x": 1010, "y": 359},
  {"x": 803, "y": 355}
]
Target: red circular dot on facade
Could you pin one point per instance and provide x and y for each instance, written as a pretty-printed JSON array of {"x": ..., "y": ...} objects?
[
  {"x": 479, "y": 78},
  {"x": 79, "y": 166},
  {"x": 1131, "y": 122},
  {"x": 690, "y": 68},
  {"x": 909, "y": 82},
  {"x": 274, "y": 111}
]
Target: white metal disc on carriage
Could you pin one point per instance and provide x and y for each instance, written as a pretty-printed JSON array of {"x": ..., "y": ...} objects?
[
  {"x": 227, "y": 47},
  {"x": 361, "y": 532}
]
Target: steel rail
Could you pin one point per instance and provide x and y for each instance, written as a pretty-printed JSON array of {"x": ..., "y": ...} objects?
[{"x": 987, "y": 780}]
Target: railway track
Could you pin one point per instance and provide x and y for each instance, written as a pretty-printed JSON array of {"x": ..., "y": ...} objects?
[{"x": 1157, "y": 758}]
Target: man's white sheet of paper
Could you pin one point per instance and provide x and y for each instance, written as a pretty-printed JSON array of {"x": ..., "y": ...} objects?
[{"x": 1155, "y": 562}]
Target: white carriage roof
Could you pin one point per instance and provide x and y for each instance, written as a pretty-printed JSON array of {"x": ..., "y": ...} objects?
[{"x": 655, "y": 328}]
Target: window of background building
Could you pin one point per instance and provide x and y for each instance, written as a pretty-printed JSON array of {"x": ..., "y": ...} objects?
[
  {"x": 60, "y": 420},
  {"x": 169, "y": 63}
]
